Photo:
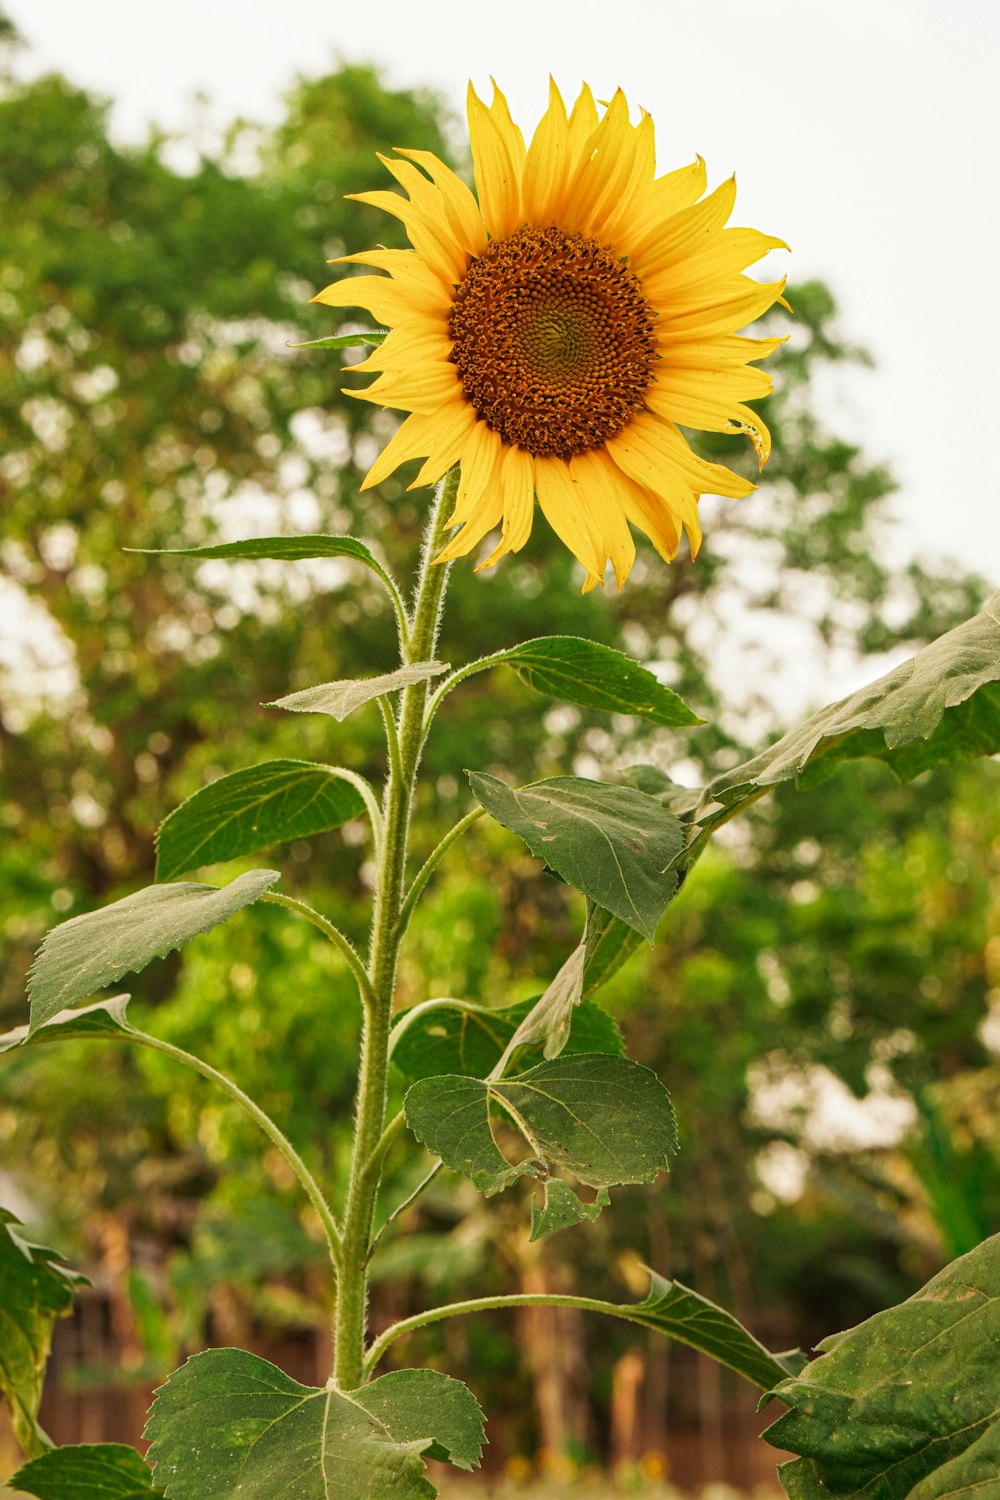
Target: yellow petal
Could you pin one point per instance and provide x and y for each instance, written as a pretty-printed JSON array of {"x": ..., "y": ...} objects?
[
  {"x": 729, "y": 251},
  {"x": 517, "y": 481},
  {"x": 615, "y": 214},
  {"x": 683, "y": 234},
  {"x": 594, "y": 472},
  {"x": 423, "y": 388},
  {"x": 497, "y": 162},
  {"x": 604, "y": 170},
  {"x": 716, "y": 312},
  {"x": 583, "y": 121},
  {"x": 460, "y": 204},
  {"x": 723, "y": 352},
  {"x": 547, "y": 163},
  {"x": 449, "y": 429},
  {"x": 668, "y": 196},
  {"x": 387, "y": 300},
  {"x": 411, "y": 441},
  {"x": 480, "y": 472},
  {"x": 407, "y": 345},
  {"x": 443, "y": 259}
]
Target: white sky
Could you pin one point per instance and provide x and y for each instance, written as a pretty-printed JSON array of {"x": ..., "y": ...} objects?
[{"x": 864, "y": 132}]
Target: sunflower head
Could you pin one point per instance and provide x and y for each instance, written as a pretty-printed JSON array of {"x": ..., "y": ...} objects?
[{"x": 552, "y": 333}]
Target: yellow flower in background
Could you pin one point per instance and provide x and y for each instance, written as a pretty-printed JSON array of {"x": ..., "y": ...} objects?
[{"x": 551, "y": 337}]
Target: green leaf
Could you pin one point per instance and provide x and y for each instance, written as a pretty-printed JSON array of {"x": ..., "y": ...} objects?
[
  {"x": 88, "y": 1471},
  {"x": 458, "y": 1037},
  {"x": 338, "y": 699},
  {"x": 675, "y": 1310},
  {"x": 282, "y": 549},
  {"x": 562, "y": 1209},
  {"x": 374, "y": 336},
  {"x": 605, "y": 1119},
  {"x": 89, "y": 952},
  {"x": 610, "y": 943},
  {"x": 896, "y": 1403},
  {"x": 593, "y": 676},
  {"x": 250, "y": 810},
  {"x": 616, "y": 845},
  {"x": 35, "y": 1289},
  {"x": 549, "y": 1020},
  {"x": 230, "y": 1426},
  {"x": 102, "y": 1019},
  {"x": 941, "y": 705}
]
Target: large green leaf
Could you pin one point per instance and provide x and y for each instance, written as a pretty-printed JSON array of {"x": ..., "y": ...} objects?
[
  {"x": 604, "y": 1119},
  {"x": 87, "y": 1471},
  {"x": 458, "y": 1037},
  {"x": 338, "y": 699},
  {"x": 105, "y": 1018},
  {"x": 898, "y": 1406},
  {"x": 941, "y": 705},
  {"x": 35, "y": 1289},
  {"x": 593, "y": 676},
  {"x": 613, "y": 843},
  {"x": 85, "y": 954},
  {"x": 250, "y": 810},
  {"x": 285, "y": 549},
  {"x": 610, "y": 944},
  {"x": 230, "y": 1426}
]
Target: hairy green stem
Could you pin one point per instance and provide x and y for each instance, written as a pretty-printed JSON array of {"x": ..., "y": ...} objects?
[
  {"x": 344, "y": 946},
  {"x": 264, "y": 1121},
  {"x": 407, "y": 743},
  {"x": 486, "y": 1304}
]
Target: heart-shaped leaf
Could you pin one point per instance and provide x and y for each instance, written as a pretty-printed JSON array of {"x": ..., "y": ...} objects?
[
  {"x": 338, "y": 699},
  {"x": 613, "y": 843},
  {"x": 89, "y": 952},
  {"x": 249, "y": 810},
  {"x": 230, "y": 1426},
  {"x": 582, "y": 672},
  {"x": 605, "y": 1119},
  {"x": 35, "y": 1289},
  {"x": 907, "y": 1404},
  {"x": 87, "y": 1471}
]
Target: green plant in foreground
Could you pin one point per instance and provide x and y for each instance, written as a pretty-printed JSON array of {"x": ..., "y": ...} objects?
[{"x": 904, "y": 1405}]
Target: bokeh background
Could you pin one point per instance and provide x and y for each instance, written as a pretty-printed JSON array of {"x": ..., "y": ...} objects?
[{"x": 824, "y": 1002}]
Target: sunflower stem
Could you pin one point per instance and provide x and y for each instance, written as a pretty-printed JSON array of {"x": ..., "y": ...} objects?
[{"x": 406, "y": 742}]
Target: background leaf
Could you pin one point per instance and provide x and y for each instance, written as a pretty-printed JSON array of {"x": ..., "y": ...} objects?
[
  {"x": 271, "y": 803},
  {"x": 594, "y": 676},
  {"x": 605, "y": 1119},
  {"x": 229, "y": 1425},
  {"x": 338, "y": 699},
  {"x": 941, "y": 705},
  {"x": 470, "y": 1039},
  {"x": 89, "y": 952},
  {"x": 88, "y": 1471},
  {"x": 613, "y": 843},
  {"x": 35, "y": 1289},
  {"x": 903, "y": 1394}
]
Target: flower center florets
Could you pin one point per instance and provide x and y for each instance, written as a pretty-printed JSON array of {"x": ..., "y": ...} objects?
[{"x": 553, "y": 340}]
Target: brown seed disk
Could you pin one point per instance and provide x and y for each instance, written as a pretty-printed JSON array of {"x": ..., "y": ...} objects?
[{"x": 553, "y": 340}]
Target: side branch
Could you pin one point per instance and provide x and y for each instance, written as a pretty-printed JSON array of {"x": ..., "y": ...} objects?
[{"x": 343, "y": 944}]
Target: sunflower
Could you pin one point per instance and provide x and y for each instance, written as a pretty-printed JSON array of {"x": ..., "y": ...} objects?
[{"x": 553, "y": 336}]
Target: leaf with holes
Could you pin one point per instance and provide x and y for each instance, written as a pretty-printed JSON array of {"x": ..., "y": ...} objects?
[
  {"x": 616, "y": 845},
  {"x": 231, "y": 1426},
  {"x": 338, "y": 699},
  {"x": 606, "y": 1120},
  {"x": 592, "y": 676},
  {"x": 458, "y": 1037},
  {"x": 249, "y": 810},
  {"x": 908, "y": 1402},
  {"x": 35, "y": 1290},
  {"x": 89, "y": 952},
  {"x": 87, "y": 1471},
  {"x": 562, "y": 1209}
]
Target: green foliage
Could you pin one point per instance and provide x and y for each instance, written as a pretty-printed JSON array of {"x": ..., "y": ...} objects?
[
  {"x": 605, "y": 1119},
  {"x": 288, "y": 549},
  {"x": 229, "y": 1424},
  {"x": 614, "y": 844},
  {"x": 89, "y": 952},
  {"x": 250, "y": 810},
  {"x": 905, "y": 1404},
  {"x": 35, "y": 1290},
  {"x": 451, "y": 1036},
  {"x": 88, "y": 1471},
  {"x": 105, "y": 1018}
]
